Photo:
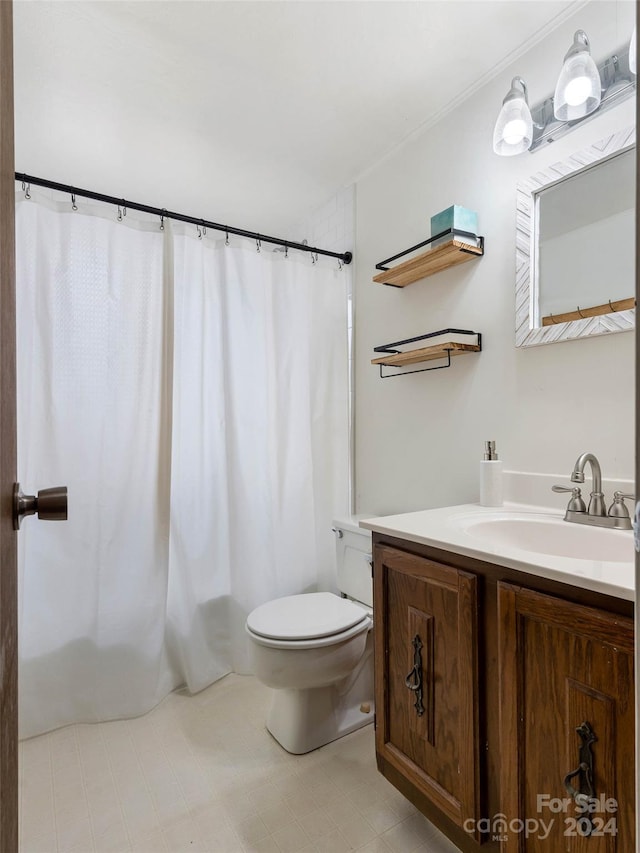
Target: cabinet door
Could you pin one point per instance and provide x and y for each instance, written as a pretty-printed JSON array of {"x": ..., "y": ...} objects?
[
  {"x": 563, "y": 665},
  {"x": 426, "y": 633}
]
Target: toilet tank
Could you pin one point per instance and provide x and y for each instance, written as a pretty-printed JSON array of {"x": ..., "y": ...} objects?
[{"x": 353, "y": 559}]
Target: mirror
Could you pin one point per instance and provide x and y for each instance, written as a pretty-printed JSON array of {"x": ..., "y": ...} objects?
[{"x": 575, "y": 245}]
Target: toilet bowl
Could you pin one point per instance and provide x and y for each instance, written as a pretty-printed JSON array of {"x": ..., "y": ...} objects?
[{"x": 315, "y": 651}]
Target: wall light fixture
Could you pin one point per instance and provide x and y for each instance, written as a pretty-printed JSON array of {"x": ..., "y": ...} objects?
[
  {"x": 583, "y": 90},
  {"x": 579, "y": 88},
  {"x": 513, "y": 131}
]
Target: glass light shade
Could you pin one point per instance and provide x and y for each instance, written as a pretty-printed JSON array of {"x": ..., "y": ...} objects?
[
  {"x": 513, "y": 131},
  {"x": 633, "y": 53},
  {"x": 579, "y": 89}
]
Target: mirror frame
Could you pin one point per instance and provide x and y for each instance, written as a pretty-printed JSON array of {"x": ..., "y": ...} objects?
[{"x": 528, "y": 335}]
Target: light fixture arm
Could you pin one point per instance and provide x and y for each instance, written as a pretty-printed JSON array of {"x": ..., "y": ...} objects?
[
  {"x": 518, "y": 90},
  {"x": 580, "y": 44}
]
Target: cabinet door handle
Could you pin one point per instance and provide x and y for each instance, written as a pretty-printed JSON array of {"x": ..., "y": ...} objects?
[
  {"x": 584, "y": 772},
  {"x": 414, "y": 680}
]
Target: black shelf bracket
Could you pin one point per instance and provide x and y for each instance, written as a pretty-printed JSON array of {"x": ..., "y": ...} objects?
[
  {"x": 454, "y": 232},
  {"x": 391, "y": 349}
]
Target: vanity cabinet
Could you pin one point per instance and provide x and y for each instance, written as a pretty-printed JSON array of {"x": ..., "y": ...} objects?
[
  {"x": 426, "y": 653},
  {"x": 564, "y": 666},
  {"x": 483, "y": 675}
]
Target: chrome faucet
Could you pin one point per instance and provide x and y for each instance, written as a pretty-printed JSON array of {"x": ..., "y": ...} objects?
[
  {"x": 596, "y": 503},
  {"x": 618, "y": 515}
]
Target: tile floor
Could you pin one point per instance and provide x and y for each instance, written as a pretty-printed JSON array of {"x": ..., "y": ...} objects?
[{"x": 201, "y": 773}]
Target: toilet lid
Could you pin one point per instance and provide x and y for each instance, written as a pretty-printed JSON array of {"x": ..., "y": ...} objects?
[{"x": 304, "y": 617}]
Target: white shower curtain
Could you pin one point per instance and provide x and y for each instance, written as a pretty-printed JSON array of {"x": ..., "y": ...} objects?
[{"x": 193, "y": 397}]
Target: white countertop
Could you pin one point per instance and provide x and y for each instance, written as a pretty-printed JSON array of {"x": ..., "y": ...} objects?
[{"x": 452, "y": 529}]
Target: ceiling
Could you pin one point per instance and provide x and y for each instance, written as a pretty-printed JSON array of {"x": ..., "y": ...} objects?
[{"x": 265, "y": 109}]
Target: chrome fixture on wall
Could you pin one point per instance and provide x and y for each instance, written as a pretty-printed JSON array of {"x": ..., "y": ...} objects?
[
  {"x": 578, "y": 90},
  {"x": 513, "y": 132},
  {"x": 583, "y": 90}
]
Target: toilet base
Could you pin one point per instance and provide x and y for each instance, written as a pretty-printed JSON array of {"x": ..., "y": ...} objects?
[{"x": 303, "y": 720}]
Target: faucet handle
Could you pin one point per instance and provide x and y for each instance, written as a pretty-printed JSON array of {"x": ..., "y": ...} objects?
[
  {"x": 618, "y": 508},
  {"x": 576, "y": 504}
]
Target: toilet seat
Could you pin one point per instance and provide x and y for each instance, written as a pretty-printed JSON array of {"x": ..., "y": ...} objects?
[{"x": 310, "y": 620}]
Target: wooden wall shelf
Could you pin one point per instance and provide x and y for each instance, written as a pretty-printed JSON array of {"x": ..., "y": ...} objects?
[
  {"x": 445, "y": 349},
  {"x": 455, "y": 251}
]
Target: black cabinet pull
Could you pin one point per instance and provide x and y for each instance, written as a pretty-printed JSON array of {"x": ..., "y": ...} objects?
[
  {"x": 414, "y": 680},
  {"x": 584, "y": 789}
]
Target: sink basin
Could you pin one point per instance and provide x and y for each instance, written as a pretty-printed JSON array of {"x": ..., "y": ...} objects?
[{"x": 547, "y": 534}]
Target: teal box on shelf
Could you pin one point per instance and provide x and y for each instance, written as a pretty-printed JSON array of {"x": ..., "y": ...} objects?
[{"x": 457, "y": 217}]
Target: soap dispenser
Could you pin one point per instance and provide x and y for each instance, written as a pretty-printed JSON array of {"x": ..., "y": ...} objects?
[{"x": 490, "y": 476}]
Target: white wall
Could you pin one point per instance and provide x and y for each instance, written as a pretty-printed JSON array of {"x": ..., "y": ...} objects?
[
  {"x": 331, "y": 226},
  {"x": 419, "y": 438}
]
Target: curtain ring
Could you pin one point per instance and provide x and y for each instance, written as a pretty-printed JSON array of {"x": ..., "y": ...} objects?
[
  {"x": 580, "y": 313},
  {"x": 124, "y": 208},
  {"x": 119, "y": 214},
  {"x": 258, "y": 246},
  {"x": 74, "y": 206},
  {"x": 339, "y": 264},
  {"x": 27, "y": 189},
  {"x": 204, "y": 229},
  {"x": 613, "y": 310},
  {"x": 162, "y": 219},
  {"x": 199, "y": 232},
  {"x": 226, "y": 240},
  {"x": 286, "y": 251}
]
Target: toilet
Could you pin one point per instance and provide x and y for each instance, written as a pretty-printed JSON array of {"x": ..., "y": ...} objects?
[{"x": 315, "y": 652}]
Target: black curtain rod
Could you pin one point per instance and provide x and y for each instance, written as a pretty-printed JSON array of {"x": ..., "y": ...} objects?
[{"x": 345, "y": 257}]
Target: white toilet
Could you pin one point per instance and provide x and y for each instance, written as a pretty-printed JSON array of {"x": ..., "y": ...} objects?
[{"x": 316, "y": 652}]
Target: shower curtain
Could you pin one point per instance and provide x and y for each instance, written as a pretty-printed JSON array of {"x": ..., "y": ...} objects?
[{"x": 193, "y": 396}]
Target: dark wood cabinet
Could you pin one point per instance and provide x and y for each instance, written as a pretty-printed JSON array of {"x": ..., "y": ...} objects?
[
  {"x": 563, "y": 665},
  {"x": 427, "y": 689},
  {"x": 483, "y": 676}
]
